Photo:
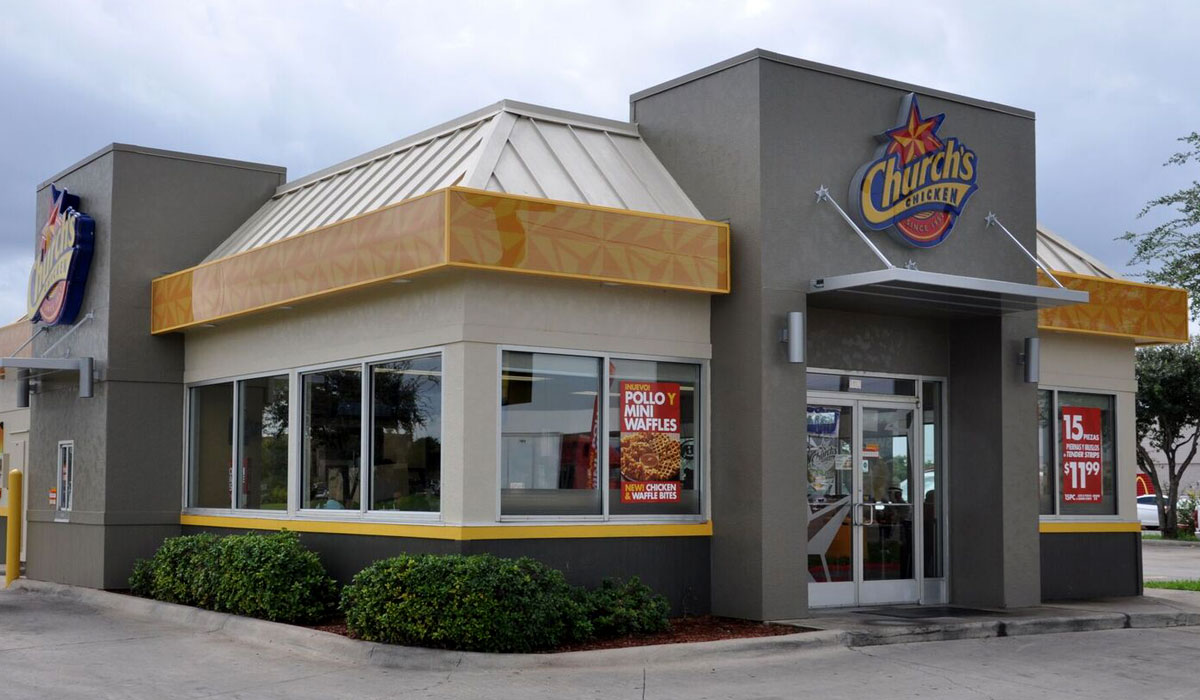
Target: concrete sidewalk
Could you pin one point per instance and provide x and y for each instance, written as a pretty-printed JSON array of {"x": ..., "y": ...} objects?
[
  {"x": 912, "y": 623},
  {"x": 840, "y": 628}
]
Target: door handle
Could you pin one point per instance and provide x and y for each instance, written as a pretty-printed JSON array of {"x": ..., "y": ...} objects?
[{"x": 861, "y": 513}]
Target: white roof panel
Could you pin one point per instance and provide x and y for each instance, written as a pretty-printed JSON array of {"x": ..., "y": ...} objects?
[
  {"x": 1057, "y": 253},
  {"x": 509, "y": 147}
]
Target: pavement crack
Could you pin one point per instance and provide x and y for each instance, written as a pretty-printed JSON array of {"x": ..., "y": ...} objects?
[{"x": 931, "y": 670}]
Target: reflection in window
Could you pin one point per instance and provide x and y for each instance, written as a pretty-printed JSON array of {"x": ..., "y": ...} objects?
[
  {"x": 264, "y": 443},
  {"x": 550, "y": 416},
  {"x": 406, "y": 429},
  {"x": 933, "y": 502},
  {"x": 210, "y": 443},
  {"x": 332, "y": 439},
  {"x": 1046, "y": 472},
  {"x": 649, "y": 457}
]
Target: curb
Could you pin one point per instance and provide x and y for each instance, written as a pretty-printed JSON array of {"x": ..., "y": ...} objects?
[
  {"x": 1160, "y": 542},
  {"x": 328, "y": 645}
]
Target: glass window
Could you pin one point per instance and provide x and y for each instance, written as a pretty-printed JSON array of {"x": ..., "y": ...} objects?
[
  {"x": 653, "y": 438},
  {"x": 263, "y": 453},
  {"x": 332, "y": 439},
  {"x": 406, "y": 431},
  {"x": 1076, "y": 453},
  {"x": 210, "y": 457},
  {"x": 1087, "y": 454},
  {"x": 66, "y": 476},
  {"x": 933, "y": 501},
  {"x": 860, "y": 384},
  {"x": 1046, "y": 472},
  {"x": 550, "y": 418}
]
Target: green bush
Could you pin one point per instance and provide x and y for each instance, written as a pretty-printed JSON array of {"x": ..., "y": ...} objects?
[
  {"x": 620, "y": 609},
  {"x": 475, "y": 603},
  {"x": 272, "y": 577},
  {"x": 177, "y": 571}
]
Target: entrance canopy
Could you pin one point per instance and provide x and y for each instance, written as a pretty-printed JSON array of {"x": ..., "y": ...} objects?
[{"x": 917, "y": 293}]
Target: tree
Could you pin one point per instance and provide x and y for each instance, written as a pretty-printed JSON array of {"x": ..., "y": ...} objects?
[
  {"x": 1168, "y": 420},
  {"x": 1174, "y": 244}
]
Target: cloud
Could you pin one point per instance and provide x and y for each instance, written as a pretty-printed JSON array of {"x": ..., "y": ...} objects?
[{"x": 307, "y": 84}]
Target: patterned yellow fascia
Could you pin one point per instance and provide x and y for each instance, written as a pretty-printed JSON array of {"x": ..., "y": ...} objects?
[
  {"x": 452, "y": 227},
  {"x": 1147, "y": 313}
]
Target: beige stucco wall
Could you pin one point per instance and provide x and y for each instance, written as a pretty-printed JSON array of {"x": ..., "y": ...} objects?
[
  {"x": 468, "y": 315},
  {"x": 1099, "y": 364}
]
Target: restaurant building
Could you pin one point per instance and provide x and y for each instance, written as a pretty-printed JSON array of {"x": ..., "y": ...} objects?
[{"x": 709, "y": 346}]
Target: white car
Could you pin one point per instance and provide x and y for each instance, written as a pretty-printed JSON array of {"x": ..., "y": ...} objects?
[{"x": 1147, "y": 509}]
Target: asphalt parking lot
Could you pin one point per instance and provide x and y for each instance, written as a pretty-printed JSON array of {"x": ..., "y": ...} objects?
[{"x": 1164, "y": 562}]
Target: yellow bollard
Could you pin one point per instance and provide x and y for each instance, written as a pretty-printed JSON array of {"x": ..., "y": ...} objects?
[{"x": 12, "y": 560}]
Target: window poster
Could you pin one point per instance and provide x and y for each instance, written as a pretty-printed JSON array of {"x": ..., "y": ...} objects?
[
  {"x": 650, "y": 444},
  {"x": 1081, "y": 455}
]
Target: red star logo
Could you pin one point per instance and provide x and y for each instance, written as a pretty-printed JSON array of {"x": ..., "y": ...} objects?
[{"x": 916, "y": 136}]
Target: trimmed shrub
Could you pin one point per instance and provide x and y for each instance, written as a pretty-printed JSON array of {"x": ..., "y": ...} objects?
[
  {"x": 176, "y": 572},
  {"x": 476, "y": 603},
  {"x": 621, "y": 609},
  {"x": 272, "y": 577}
]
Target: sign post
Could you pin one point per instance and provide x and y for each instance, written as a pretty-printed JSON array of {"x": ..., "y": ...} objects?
[{"x": 12, "y": 559}]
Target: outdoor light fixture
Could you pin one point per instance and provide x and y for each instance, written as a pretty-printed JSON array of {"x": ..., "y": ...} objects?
[
  {"x": 1032, "y": 359},
  {"x": 793, "y": 336}
]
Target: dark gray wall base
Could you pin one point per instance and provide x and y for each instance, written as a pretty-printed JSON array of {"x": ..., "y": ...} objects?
[
  {"x": 677, "y": 567},
  {"x": 3, "y": 537},
  {"x": 1081, "y": 565}
]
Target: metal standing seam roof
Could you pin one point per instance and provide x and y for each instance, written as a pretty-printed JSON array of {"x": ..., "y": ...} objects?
[
  {"x": 510, "y": 147},
  {"x": 1057, "y": 253}
]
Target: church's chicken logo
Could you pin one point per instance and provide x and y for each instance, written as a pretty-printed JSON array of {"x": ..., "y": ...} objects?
[
  {"x": 61, "y": 261},
  {"x": 918, "y": 183}
]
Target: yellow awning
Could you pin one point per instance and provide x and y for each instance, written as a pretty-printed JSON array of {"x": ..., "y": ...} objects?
[
  {"x": 1147, "y": 313},
  {"x": 452, "y": 227}
]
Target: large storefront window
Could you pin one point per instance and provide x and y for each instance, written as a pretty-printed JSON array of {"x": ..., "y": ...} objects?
[
  {"x": 332, "y": 449},
  {"x": 652, "y": 438},
  {"x": 406, "y": 433},
  {"x": 1077, "y": 453},
  {"x": 210, "y": 446},
  {"x": 263, "y": 431},
  {"x": 550, "y": 414},
  {"x": 554, "y": 410}
]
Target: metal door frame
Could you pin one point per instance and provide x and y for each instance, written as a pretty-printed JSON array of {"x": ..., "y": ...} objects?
[{"x": 850, "y": 593}]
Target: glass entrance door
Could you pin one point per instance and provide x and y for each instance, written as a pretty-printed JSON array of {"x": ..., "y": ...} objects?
[{"x": 866, "y": 479}]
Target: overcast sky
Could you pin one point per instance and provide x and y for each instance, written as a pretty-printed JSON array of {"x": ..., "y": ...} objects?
[{"x": 307, "y": 84}]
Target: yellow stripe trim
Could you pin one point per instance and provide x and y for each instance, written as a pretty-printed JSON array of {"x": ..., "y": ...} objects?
[
  {"x": 1058, "y": 526},
  {"x": 1137, "y": 339},
  {"x": 454, "y": 532}
]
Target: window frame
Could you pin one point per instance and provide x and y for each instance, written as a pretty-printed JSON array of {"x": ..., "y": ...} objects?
[
  {"x": 1056, "y": 456},
  {"x": 64, "y": 497},
  {"x": 295, "y": 375},
  {"x": 605, "y": 516}
]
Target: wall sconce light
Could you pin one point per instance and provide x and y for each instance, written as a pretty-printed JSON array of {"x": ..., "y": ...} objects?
[
  {"x": 1032, "y": 359},
  {"x": 793, "y": 336}
]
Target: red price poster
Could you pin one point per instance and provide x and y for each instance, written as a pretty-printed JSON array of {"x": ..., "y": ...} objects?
[
  {"x": 1081, "y": 460},
  {"x": 650, "y": 451}
]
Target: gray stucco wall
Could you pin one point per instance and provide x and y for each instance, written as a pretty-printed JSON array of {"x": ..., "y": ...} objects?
[
  {"x": 751, "y": 140},
  {"x": 155, "y": 212},
  {"x": 706, "y": 133}
]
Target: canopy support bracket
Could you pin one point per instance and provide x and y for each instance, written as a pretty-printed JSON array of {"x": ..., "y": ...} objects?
[
  {"x": 823, "y": 196},
  {"x": 992, "y": 220}
]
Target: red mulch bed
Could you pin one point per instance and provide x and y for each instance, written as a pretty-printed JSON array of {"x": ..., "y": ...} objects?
[{"x": 705, "y": 628}]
